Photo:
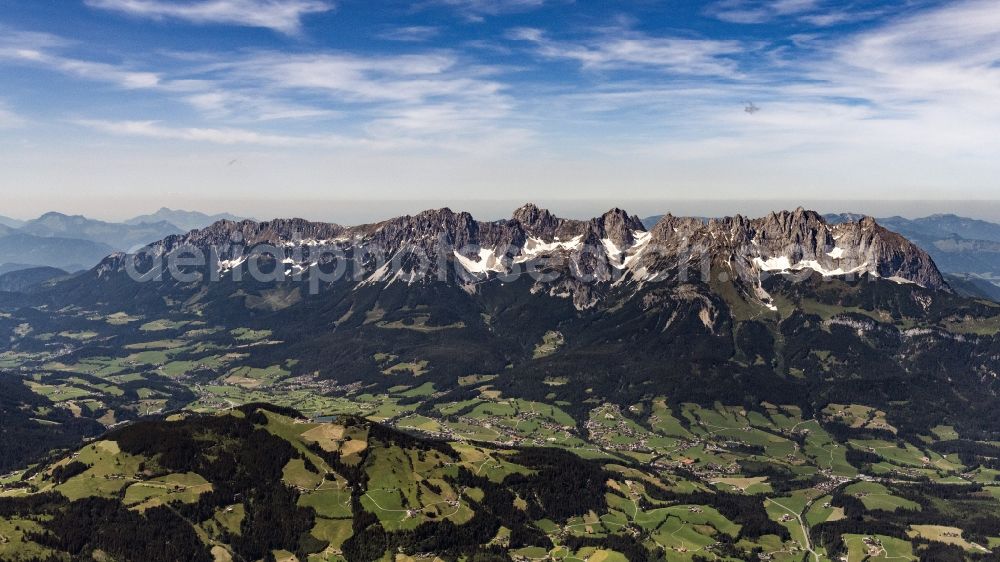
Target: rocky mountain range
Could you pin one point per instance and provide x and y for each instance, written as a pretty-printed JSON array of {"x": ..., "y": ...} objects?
[
  {"x": 959, "y": 245},
  {"x": 965, "y": 249},
  {"x": 583, "y": 260}
]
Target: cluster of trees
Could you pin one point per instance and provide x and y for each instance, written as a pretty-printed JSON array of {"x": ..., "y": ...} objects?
[
  {"x": 273, "y": 521},
  {"x": 960, "y": 506},
  {"x": 633, "y": 550},
  {"x": 861, "y": 460},
  {"x": 746, "y": 510},
  {"x": 66, "y": 471},
  {"x": 90, "y": 524},
  {"x": 554, "y": 490},
  {"x": 25, "y": 439},
  {"x": 972, "y": 454},
  {"x": 780, "y": 478},
  {"x": 245, "y": 465}
]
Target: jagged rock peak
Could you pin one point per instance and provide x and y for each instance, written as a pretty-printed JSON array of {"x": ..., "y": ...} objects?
[
  {"x": 669, "y": 227},
  {"x": 790, "y": 223},
  {"x": 535, "y": 219},
  {"x": 799, "y": 239},
  {"x": 617, "y": 218},
  {"x": 617, "y": 226},
  {"x": 265, "y": 232}
]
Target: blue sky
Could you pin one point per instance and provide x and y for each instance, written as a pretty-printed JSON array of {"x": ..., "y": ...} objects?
[{"x": 111, "y": 107}]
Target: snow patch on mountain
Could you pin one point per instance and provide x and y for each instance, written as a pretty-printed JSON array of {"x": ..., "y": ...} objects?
[{"x": 488, "y": 261}]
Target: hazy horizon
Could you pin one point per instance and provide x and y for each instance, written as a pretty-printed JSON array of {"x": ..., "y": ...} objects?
[{"x": 351, "y": 212}]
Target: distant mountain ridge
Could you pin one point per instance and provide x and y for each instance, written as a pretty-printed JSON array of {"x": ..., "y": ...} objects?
[
  {"x": 945, "y": 225},
  {"x": 185, "y": 220},
  {"x": 116, "y": 235},
  {"x": 70, "y": 254},
  {"x": 75, "y": 242},
  {"x": 9, "y": 223},
  {"x": 972, "y": 286}
]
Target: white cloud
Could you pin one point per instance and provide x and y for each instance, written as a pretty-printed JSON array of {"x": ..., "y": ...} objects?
[
  {"x": 412, "y": 33},
  {"x": 11, "y": 38},
  {"x": 813, "y": 12},
  {"x": 758, "y": 11},
  {"x": 910, "y": 100},
  {"x": 386, "y": 102},
  {"x": 476, "y": 10},
  {"x": 831, "y": 17},
  {"x": 623, "y": 49},
  {"x": 943, "y": 58},
  {"x": 89, "y": 70},
  {"x": 411, "y": 78},
  {"x": 434, "y": 99},
  {"x": 40, "y": 49},
  {"x": 216, "y": 102},
  {"x": 454, "y": 139},
  {"x": 284, "y": 16},
  {"x": 225, "y": 136}
]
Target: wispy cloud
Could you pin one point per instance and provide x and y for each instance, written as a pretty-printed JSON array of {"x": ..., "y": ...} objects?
[
  {"x": 829, "y": 18},
  {"x": 89, "y": 70},
  {"x": 225, "y": 136},
  {"x": 411, "y": 33},
  {"x": 819, "y": 13},
  {"x": 759, "y": 11},
  {"x": 477, "y": 10},
  {"x": 217, "y": 102},
  {"x": 434, "y": 99},
  {"x": 899, "y": 102},
  {"x": 284, "y": 16},
  {"x": 497, "y": 139},
  {"x": 916, "y": 88},
  {"x": 942, "y": 57},
  {"x": 625, "y": 49},
  {"x": 409, "y": 78},
  {"x": 44, "y": 50},
  {"x": 916, "y": 95}
]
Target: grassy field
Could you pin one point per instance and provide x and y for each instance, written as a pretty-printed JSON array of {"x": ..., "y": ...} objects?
[
  {"x": 690, "y": 447},
  {"x": 947, "y": 535},
  {"x": 877, "y": 548},
  {"x": 551, "y": 342},
  {"x": 875, "y": 496},
  {"x": 13, "y": 545}
]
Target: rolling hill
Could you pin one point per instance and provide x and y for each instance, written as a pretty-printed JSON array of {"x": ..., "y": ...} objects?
[{"x": 265, "y": 483}]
